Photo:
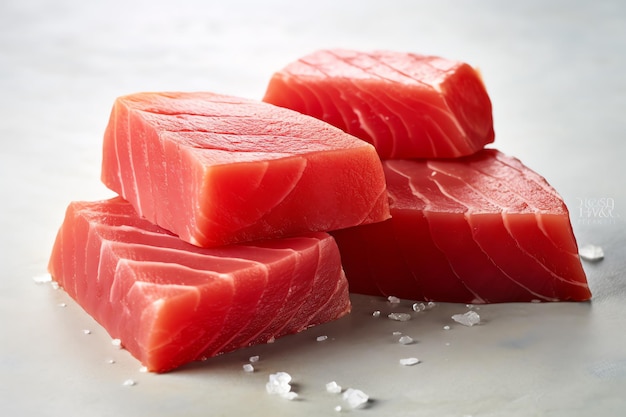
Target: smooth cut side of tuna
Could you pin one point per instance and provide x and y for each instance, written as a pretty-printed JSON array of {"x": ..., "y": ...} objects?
[
  {"x": 407, "y": 105},
  {"x": 479, "y": 229},
  {"x": 171, "y": 303},
  {"x": 217, "y": 170}
]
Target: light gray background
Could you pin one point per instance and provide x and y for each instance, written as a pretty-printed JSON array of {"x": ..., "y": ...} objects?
[{"x": 555, "y": 72}]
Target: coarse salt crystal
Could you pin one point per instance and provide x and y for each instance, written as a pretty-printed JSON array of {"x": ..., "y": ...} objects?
[
  {"x": 86, "y": 331},
  {"x": 129, "y": 383},
  {"x": 117, "y": 343},
  {"x": 111, "y": 361},
  {"x": 289, "y": 395},
  {"x": 62, "y": 305},
  {"x": 376, "y": 313},
  {"x": 419, "y": 307},
  {"x": 446, "y": 327},
  {"x": 409, "y": 361},
  {"x": 355, "y": 398},
  {"x": 405, "y": 340},
  {"x": 467, "y": 319},
  {"x": 393, "y": 300},
  {"x": 591, "y": 253},
  {"x": 278, "y": 383},
  {"x": 254, "y": 358},
  {"x": 280, "y": 378},
  {"x": 333, "y": 387},
  {"x": 321, "y": 338},
  {"x": 431, "y": 304},
  {"x": 399, "y": 316},
  {"x": 143, "y": 369},
  {"x": 397, "y": 333},
  {"x": 338, "y": 408},
  {"x": 248, "y": 368},
  {"x": 55, "y": 285}
]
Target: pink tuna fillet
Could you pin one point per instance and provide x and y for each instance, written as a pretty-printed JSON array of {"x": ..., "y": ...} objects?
[
  {"x": 407, "y": 105},
  {"x": 171, "y": 303},
  {"x": 217, "y": 170},
  {"x": 480, "y": 229}
]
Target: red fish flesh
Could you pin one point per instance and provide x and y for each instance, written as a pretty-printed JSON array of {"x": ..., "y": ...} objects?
[
  {"x": 406, "y": 105},
  {"x": 218, "y": 170},
  {"x": 170, "y": 302},
  {"x": 479, "y": 229}
]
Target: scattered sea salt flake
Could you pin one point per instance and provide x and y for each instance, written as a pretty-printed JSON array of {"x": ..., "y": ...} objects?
[
  {"x": 55, "y": 285},
  {"x": 86, "y": 331},
  {"x": 333, "y": 387},
  {"x": 254, "y": 358},
  {"x": 42, "y": 279},
  {"x": 338, "y": 408},
  {"x": 376, "y": 313},
  {"x": 62, "y": 305},
  {"x": 143, "y": 369},
  {"x": 591, "y": 253},
  {"x": 129, "y": 383},
  {"x": 271, "y": 339},
  {"x": 289, "y": 395},
  {"x": 278, "y": 383},
  {"x": 419, "y": 307},
  {"x": 355, "y": 398},
  {"x": 280, "y": 378},
  {"x": 467, "y": 319},
  {"x": 111, "y": 361},
  {"x": 409, "y": 361},
  {"x": 321, "y": 338},
  {"x": 399, "y": 316},
  {"x": 117, "y": 343},
  {"x": 446, "y": 327},
  {"x": 405, "y": 340},
  {"x": 431, "y": 304},
  {"x": 397, "y": 333},
  {"x": 393, "y": 300},
  {"x": 248, "y": 368}
]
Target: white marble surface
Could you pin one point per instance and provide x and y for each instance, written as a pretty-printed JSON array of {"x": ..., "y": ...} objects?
[{"x": 555, "y": 72}]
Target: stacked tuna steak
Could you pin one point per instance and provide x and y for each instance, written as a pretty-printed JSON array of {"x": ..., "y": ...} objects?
[
  {"x": 467, "y": 224},
  {"x": 219, "y": 238}
]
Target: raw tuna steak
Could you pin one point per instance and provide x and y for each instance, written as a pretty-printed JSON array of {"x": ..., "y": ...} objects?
[
  {"x": 407, "y": 105},
  {"x": 480, "y": 229},
  {"x": 217, "y": 170},
  {"x": 170, "y": 302}
]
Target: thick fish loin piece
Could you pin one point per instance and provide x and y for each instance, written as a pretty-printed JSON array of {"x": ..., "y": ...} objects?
[
  {"x": 480, "y": 229},
  {"x": 407, "y": 105},
  {"x": 171, "y": 303},
  {"x": 218, "y": 170}
]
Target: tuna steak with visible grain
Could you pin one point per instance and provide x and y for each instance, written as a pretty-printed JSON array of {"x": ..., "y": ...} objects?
[
  {"x": 218, "y": 170},
  {"x": 480, "y": 229},
  {"x": 170, "y": 302},
  {"x": 407, "y": 105}
]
